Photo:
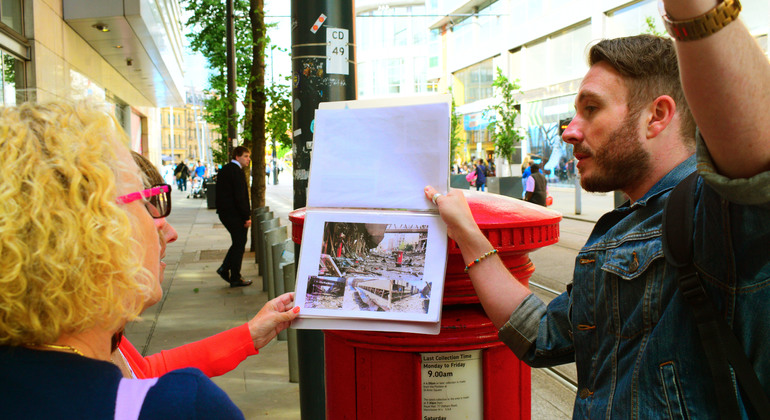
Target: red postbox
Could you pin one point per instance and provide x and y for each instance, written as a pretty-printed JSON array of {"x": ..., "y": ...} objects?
[{"x": 377, "y": 375}]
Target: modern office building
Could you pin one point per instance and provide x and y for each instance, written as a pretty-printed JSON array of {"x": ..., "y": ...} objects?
[
  {"x": 396, "y": 50},
  {"x": 542, "y": 44},
  {"x": 127, "y": 52}
]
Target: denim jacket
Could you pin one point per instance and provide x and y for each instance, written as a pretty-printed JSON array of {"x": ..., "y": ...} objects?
[{"x": 623, "y": 321}]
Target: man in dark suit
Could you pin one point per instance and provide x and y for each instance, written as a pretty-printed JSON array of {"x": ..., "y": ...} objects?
[{"x": 232, "y": 199}]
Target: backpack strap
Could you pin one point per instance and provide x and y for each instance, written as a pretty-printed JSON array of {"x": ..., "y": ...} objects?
[
  {"x": 721, "y": 346},
  {"x": 131, "y": 394}
]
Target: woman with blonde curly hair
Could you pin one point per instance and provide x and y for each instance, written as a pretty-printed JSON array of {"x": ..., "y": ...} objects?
[{"x": 80, "y": 257}]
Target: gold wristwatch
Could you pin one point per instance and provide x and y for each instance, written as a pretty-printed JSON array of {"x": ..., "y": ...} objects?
[{"x": 704, "y": 25}]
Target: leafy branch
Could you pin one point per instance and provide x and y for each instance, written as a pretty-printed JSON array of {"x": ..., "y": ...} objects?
[{"x": 505, "y": 135}]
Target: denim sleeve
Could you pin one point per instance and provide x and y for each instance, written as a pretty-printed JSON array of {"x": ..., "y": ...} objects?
[
  {"x": 743, "y": 191},
  {"x": 540, "y": 335}
]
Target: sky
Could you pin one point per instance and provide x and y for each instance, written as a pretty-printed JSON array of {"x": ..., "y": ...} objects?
[{"x": 278, "y": 63}]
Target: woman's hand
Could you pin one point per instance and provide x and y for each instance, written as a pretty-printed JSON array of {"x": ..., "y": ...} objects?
[{"x": 273, "y": 318}]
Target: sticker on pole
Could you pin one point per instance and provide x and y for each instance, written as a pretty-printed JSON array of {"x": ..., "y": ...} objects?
[
  {"x": 337, "y": 51},
  {"x": 452, "y": 385},
  {"x": 318, "y": 22}
]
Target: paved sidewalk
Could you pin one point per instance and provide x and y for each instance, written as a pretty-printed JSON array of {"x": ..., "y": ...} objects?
[{"x": 197, "y": 303}]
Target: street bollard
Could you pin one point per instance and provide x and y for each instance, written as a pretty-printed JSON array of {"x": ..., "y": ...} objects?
[
  {"x": 289, "y": 284},
  {"x": 260, "y": 237},
  {"x": 254, "y": 241},
  {"x": 272, "y": 236},
  {"x": 259, "y": 218},
  {"x": 264, "y": 268},
  {"x": 279, "y": 250}
]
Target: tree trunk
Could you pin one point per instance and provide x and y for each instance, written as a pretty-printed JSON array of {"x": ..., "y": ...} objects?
[{"x": 256, "y": 91}]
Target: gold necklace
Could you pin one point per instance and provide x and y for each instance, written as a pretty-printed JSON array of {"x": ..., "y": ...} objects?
[{"x": 61, "y": 347}]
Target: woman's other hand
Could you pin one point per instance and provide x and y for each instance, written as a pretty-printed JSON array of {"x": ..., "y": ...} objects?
[{"x": 273, "y": 318}]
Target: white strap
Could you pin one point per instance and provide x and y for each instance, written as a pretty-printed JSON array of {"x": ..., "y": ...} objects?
[{"x": 131, "y": 394}]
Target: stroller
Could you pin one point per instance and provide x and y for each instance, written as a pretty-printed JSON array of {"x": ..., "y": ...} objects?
[{"x": 196, "y": 189}]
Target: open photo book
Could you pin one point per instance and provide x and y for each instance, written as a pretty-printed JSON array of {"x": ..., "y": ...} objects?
[{"x": 374, "y": 248}]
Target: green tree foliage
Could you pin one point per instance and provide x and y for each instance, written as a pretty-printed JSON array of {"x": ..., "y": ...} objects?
[
  {"x": 651, "y": 28},
  {"x": 505, "y": 135},
  {"x": 207, "y": 35},
  {"x": 454, "y": 132},
  {"x": 278, "y": 120}
]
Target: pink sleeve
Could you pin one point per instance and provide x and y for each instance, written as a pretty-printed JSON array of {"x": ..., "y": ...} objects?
[
  {"x": 215, "y": 355},
  {"x": 530, "y": 184}
]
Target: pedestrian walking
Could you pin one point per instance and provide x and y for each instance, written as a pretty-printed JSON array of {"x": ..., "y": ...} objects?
[
  {"x": 234, "y": 212},
  {"x": 181, "y": 173}
]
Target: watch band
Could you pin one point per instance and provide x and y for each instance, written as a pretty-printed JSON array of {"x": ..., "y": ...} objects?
[{"x": 704, "y": 25}]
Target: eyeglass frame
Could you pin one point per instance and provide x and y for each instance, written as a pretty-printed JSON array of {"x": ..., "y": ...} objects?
[{"x": 150, "y": 192}]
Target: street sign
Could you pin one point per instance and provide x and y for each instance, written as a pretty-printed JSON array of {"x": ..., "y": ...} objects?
[{"x": 337, "y": 51}]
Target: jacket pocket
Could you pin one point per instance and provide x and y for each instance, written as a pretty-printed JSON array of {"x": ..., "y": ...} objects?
[
  {"x": 672, "y": 391},
  {"x": 632, "y": 259}
]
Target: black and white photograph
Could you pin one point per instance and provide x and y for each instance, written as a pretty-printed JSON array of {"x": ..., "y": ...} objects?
[{"x": 371, "y": 267}]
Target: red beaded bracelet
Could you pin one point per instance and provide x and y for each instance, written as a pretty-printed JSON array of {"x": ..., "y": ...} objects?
[{"x": 474, "y": 262}]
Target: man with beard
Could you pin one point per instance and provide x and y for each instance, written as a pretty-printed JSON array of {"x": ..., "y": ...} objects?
[{"x": 623, "y": 320}]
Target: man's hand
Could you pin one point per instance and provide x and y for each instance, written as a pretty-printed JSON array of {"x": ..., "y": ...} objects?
[
  {"x": 273, "y": 318},
  {"x": 455, "y": 212},
  {"x": 247, "y": 224}
]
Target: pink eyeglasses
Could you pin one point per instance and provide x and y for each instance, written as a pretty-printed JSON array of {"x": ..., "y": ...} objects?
[{"x": 158, "y": 200}]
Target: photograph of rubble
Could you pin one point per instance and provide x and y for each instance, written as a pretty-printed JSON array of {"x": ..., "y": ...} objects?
[{"x": 372, "y": 266}]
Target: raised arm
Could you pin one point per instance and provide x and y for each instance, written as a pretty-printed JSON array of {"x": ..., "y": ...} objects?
[
  {"x": 496, "y": 288},
  {"x": 726, "y": 80}
]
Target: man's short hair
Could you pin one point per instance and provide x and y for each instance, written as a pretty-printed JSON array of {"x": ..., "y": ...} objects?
[
  {"x": 239, "y": 151},
  {"x": 534, "y": 167},
  {"x": 649, "y": 68}
]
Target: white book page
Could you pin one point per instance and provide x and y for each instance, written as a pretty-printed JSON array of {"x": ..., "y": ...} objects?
[{"x": 379, "y": 157}]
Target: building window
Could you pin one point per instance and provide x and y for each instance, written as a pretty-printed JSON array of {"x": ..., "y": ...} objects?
[
  {"x": 476, "y": 81},
  {"x": 12, "y": 82},
  {"x": 395, "y": 70},
  {"x": 630, "y": 20},
  {"x": 543, "y": 134},
  {"x": 11, "y": 14},
  {"x": 557, "y": 58}
]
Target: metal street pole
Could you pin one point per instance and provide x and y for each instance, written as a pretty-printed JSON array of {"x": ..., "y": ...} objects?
[
  {"x": 231, "y": 95},
  {"x": 323, "y": 70}
]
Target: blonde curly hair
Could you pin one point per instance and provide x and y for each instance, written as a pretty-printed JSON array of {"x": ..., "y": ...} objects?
[{"x": 69, "y": 257}]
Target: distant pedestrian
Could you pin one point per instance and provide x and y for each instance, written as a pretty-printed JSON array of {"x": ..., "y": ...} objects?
[
  {"x": 481, "y": 176},
  {"x": 200, "y": 170},
  {"x": 234, "y": 211},
  {"x": 536, "y": 190},
  {"x": 181, "y": 173},
  {"x": 525, "y": 173}
]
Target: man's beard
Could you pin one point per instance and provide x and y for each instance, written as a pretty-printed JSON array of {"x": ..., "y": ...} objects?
[{"x": 620, "y": 162}]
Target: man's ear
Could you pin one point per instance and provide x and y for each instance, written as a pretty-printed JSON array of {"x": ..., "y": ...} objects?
[{"x": 661, "y": 112}]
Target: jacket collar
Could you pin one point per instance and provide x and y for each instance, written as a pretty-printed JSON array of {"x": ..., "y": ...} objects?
[{"x": 667, "y": 183}]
